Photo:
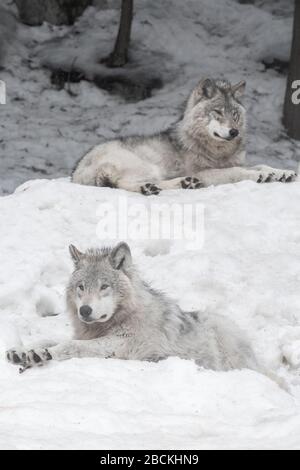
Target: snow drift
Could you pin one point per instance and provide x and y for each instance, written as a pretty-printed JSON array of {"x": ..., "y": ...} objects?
[{"x": 247, "y": 269}]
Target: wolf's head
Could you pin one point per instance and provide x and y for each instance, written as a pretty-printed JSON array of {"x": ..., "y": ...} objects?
[
  {"x": 100, "y": 283},
  {"x": 214, "y": 112}
]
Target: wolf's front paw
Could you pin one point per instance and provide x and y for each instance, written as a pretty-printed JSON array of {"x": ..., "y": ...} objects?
[
  {"x": 191, "y": 182},
  {"x": 282, "y": 176},
  {"x": 150, "y": 189},
  {"x": 285, "y": 176},
  {"x": 16, "y": 356},
  {"x": 266, "y": 178},
  {"x": 27, "y": 359}
]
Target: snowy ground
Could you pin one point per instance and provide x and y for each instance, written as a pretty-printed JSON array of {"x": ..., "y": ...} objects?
[
  {"x": 44, "y": 132},
  {"x": 247, "y": 269}
]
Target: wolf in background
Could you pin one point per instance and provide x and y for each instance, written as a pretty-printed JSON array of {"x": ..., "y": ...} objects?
[
  {"x": 115, "y": 314},
  {"x": 205, "y": 147}
]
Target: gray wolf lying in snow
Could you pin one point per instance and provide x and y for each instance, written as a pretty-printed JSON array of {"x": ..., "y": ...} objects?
[
  {"x": 115, "y": 314},
  {"x": 206, "y": 147}
]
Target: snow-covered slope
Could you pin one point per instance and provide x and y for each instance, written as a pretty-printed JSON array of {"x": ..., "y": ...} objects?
[
  {"x": 45, "y": 131},
  {"x": 248, "y": 269}
]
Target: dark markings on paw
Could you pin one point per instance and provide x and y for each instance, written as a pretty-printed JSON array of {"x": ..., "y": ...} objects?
[
  {"x": 291, "y": 178},
  {"x": 269, "y": 178},
  {"x": 191, "y": 183},
  {"x": 48, "y": 355},
  {"x": 16, "y": 359},
  {"x": 150, "y": 189},
  {"x": 272, "y": 177},
  {"x": 24, "y": 368},
  {"x": 36, "y": 358}
]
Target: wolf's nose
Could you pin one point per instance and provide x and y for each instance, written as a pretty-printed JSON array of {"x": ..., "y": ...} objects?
[
  {"x": 85, "y": 311},
  {"x": 233, "y": 133}
]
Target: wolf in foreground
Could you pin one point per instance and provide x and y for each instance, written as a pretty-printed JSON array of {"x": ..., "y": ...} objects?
[
  {"x": 115, "y": 314},
  {"x": 206, "y": 147}
]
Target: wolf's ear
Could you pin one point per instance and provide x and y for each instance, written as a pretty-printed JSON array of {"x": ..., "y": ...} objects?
[
  {"x": 207, "y": 88},
  {"x": 120, "y": 257},
  {"x": 238, "y": 90},
  {"x": 76, "y": 255}
]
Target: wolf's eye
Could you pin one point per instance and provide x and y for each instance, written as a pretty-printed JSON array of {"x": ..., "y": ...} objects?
[
  {"x": 81, "y": 287},
  {"x": 218, "y": 112},
  {"x": 104, "y": 287},
  {"x": 235, "y": 116}
]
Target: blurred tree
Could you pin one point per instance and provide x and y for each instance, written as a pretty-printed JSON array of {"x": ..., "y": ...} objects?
[
  {"x": 7, "y": 31},
  {"x": 119, "y": 56},
  {"x": 35, "y": 12},
  {"x": 291, "y": 114}
]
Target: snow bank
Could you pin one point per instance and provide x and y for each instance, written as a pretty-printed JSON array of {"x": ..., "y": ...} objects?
[{"x": 247, "y": 269}]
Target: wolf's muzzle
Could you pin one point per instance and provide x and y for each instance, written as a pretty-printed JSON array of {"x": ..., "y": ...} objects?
[
  {"x": 233, "y": 133},
  {"x": 85, "y": 311}
]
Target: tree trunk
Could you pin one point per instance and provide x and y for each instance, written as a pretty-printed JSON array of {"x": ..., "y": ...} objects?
[
  {"x": 291, "y": 115},
  {"x": 7, "y": 32},
  {"x": 119, "y": 56}
]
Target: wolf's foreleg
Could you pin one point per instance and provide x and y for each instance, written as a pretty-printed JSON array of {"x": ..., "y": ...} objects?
[
  {"x": 103, "y": 348},
  {"x": 214, "y": 177},
  {"x": 259, "y": 174},
  {"x": 100, "y": 347}
]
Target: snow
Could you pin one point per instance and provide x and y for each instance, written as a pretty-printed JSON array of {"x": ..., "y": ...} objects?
[{"x": 246, "y": 269}]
